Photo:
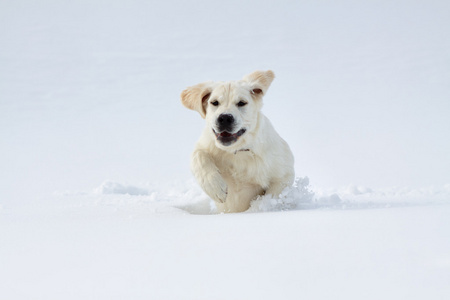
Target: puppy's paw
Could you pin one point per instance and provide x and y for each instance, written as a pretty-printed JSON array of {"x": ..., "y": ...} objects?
[{"x": 216, "y": 188}]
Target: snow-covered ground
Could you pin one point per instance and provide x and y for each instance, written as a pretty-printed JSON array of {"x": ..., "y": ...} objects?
[
  {"x": 96, "y": 197},
  {"x": 137, "y": 247}
]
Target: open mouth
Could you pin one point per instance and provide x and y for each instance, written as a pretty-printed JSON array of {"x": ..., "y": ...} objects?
[{"x": 227, "y": 138}]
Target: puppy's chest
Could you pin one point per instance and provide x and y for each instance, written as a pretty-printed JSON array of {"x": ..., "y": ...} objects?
[{"x": 245, "y": 167}]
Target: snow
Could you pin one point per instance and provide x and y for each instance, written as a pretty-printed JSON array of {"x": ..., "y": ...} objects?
[
  {"x": 129, "y": 247},
  {"x": 96, "y": 197},
  {"x": 109, "y": 187}
]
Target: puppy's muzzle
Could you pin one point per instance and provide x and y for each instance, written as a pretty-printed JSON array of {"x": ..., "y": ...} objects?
[{"x": 225, "y": 124}]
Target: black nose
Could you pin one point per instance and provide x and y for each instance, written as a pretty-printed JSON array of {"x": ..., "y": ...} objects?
[{"x": 225, "y": 122}]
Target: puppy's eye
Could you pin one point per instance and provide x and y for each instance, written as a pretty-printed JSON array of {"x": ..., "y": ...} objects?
[
  {"x": 241, "y": 103},
  {"x": 215, "y": 103}
]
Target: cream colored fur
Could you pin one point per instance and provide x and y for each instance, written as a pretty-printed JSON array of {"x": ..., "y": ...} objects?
[{"x": 259, "y": 162}]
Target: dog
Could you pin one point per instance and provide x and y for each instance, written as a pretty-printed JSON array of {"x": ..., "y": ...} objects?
[{"x": 239, "y": 155}]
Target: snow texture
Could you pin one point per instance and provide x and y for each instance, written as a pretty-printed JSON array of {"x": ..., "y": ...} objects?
[{"x": 301, "y": 196}]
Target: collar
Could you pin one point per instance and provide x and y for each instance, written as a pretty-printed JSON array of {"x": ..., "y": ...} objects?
[{"x": 235, "y": 152}]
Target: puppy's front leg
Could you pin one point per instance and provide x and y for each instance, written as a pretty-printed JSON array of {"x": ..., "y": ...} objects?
[
  {"x": 279, "y": 184},
  {"x": 208, "y": 176}
]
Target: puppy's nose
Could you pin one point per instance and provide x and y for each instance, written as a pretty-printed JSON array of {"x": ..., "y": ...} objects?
[{"x": 225, "y": 121}]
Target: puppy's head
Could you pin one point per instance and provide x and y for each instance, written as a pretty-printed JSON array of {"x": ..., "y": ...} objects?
[{"x": 230, "y": 108}]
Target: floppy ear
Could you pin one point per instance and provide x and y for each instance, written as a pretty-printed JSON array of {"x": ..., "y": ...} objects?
[
  {"x": 196, "y": 97},
  {"x": 259, "y": 81}
]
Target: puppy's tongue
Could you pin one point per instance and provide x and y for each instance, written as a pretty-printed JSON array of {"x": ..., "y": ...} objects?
[{"x": 225, "y": 134}]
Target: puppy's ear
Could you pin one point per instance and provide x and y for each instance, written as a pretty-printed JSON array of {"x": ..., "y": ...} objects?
[
  {"x": 196, "y": 97},
  {"x": 259, "y": 81}
]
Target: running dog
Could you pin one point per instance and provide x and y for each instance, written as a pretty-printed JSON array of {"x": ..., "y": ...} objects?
[{"x": 239, "y": 155}]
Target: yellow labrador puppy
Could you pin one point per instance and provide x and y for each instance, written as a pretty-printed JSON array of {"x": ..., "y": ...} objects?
[{"x": 239, "y": 155}]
